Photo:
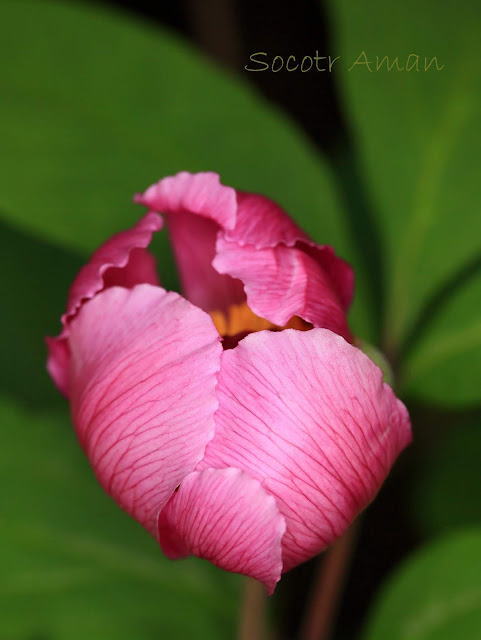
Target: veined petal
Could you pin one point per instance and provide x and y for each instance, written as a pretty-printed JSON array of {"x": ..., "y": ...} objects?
[
  {"x": 124, "y": 261},
  {"x": 226, "y": 517},
  {"x": 144, "y": 367},
  {"x": 197, "y": 206},
  {"x": 307, "y": 414},
  {"x": 281, "y": 282}
]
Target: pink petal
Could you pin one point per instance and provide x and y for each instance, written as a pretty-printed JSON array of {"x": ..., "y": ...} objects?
[
  {"x": 144, "y": 367},
  {"x": 227, "y": 518},
  {"x": 193, "y": 240},
  {"x": 196, "y": 207},
  {"x": 281, "y": 282},
  {"x": 307, "y": 414},
  {"x": 122, "y": 260},
  {"x": 263, "y": 223}
]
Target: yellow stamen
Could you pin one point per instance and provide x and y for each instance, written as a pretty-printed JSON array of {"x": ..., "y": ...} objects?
[{"x": 240, "y": 318}]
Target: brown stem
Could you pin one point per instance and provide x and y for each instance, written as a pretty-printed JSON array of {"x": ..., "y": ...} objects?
[
  {"x": 323, "y": 604},
  {"x": 253, "y": 614}
]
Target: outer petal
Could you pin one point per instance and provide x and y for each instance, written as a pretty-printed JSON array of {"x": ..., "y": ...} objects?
[
  {"x": 308, "y": 415},
  {"x": 227, "y": 518},
  {"x": 282, "y": 282},
  {"x": 144, "y": 367},
  {"x": 196, "y": 207},
  {"x": 122, "y": 260}
]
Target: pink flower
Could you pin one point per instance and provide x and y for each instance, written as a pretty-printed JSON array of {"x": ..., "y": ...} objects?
[{"x": 256, "y": 456}]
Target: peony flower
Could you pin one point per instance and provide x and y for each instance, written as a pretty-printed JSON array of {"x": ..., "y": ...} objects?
[{"x": 237, "y": 422}]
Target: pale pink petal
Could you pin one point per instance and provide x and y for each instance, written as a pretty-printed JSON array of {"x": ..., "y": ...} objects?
[
  {"x": 281, "y": 282},
  {"x": 198, "y": 193},
  {"x": 143, "y": 368},
  {"x": 196, "y": 207},
  {"x": 227, "y": 518},
  {"x": 307, "y": 414},
  {"x": 123, "y": 260}
]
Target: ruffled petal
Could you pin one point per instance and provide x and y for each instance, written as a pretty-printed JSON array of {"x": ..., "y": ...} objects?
[
  {"x": 308, "y": 415},
  {"x": 262, "y": 224},
  {"x": 124, "y": 261},
  {"x": 227, "y": 518},
  {"x": 144, "y": 367},
  {"x": 282, "y": 282},
  {"x": 200, "y": 210},
  {"x": 196, "y": 207}
]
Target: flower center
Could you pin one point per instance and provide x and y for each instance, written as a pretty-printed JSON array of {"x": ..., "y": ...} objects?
[{"x": 240, "y": 320}]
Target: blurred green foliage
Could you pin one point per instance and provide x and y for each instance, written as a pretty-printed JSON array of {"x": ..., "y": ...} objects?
[
  {"x": 445, "y": 489},
  {"x": 74, "y": 566},
  {"x": 436, "y": 595},
  {"x": 96, "y": 105}
]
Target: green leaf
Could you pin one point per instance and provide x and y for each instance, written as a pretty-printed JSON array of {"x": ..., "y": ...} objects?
[
  {"x": 444, "y": 489},
  {"x": 418, "y": 138},
  {"x": 434, "y": 595},
  {"x": 97, "y": 105},
  {"x": 74, "y": 566}
]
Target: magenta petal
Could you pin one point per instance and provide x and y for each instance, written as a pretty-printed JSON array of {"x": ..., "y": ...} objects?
[
  {"x": 123, "y": 260},
  {"x": 281, "y": 282},
  {"x": 144, "y": 367},
  {"x": 196, "y": 207},
  {"x": 226, "y": 517},
  {"x": 307, "y": 414}
]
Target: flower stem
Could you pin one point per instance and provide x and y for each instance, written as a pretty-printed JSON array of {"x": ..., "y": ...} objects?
[
  {"x": 323, "y": 604},
  {"x": 253, "y": 614}
]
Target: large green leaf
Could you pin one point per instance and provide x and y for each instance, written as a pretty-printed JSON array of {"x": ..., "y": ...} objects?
[
  {"x": 74, "y": 566},
  {"x": 97, "y": 105},
  {"x": 435, "y": 595},
  {"x": 418, "y": 138}
]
